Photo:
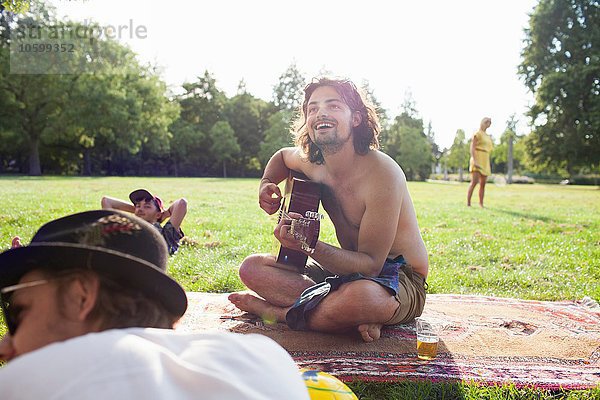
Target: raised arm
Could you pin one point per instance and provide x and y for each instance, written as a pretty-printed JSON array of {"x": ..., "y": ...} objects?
[
  {"x": 117, "y": 204},
  {"x": 176, "y": 212}
]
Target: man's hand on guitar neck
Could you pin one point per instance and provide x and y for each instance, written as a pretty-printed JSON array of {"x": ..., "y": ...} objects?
[
  {"x": 283, "y": 232},
  {"x": 269, "y": 196},
  {"x": 298, "y": 233}
]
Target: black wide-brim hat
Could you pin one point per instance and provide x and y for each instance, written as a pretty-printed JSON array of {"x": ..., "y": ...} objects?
[{"x": 113, "y": 243}]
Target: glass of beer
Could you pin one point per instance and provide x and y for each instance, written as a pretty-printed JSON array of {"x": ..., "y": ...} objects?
[{"x": 427, "y": 339}]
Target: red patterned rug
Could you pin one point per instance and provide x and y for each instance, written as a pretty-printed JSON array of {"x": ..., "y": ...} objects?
[{"x": 489, "y": 340}]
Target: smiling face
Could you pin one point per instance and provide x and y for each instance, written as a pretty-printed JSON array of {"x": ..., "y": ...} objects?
[
  {"x": 147, "y": 210},
  {"x": 329, "y": 120}
]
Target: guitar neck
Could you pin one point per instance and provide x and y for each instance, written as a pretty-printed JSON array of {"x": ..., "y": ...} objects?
[{"x": 301, "y": 196}]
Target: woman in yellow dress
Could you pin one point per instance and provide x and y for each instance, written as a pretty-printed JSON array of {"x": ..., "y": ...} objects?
[{"x": 479, "y": 164}]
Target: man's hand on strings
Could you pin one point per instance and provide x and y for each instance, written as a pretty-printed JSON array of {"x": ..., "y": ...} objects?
[
  {"x": 283, "y": 232},
  {"x": 269, "y": 197}
]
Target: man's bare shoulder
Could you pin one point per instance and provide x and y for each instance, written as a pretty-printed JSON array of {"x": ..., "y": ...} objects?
[
  {"x": 294, "y": 158},
  {"x": 386, "y": 169}
]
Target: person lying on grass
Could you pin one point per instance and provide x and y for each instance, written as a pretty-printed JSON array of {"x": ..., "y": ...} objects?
[
  {"x": 377, "y": 275},
  {"x": 150, "y": 208},
  {"x": 90, "y": 312}
]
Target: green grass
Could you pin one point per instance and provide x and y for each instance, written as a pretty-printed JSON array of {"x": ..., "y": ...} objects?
[{"x": 531, "y": 242}]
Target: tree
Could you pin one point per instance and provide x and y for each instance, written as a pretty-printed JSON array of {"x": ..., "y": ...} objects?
[
  {"x": 119, "y": 114},
  {"x": 31, "y": 103},
  {"x": 436, "y": 153},
  {"x": 277, "y": 135},
  {"x": 245, "y": 115},
  {"x": 510, "y": 138},
  {"x": 202, "y": 105},
  {"x": 224, "y": 144},
  {"x": 415, "y": 153},
  {"x": 86, "y": 106},
  {"x": 288, "y": 93},
  {"x": 509, "y": 155},
  {"x": 561, "y": 66},
  {"x": 406, "y": 142},
  {"x": 370, "y": 94},
  {"x": 458, "y": 156}
]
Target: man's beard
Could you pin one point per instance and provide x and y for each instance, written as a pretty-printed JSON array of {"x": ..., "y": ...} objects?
[{"x": 330, "y": 144}]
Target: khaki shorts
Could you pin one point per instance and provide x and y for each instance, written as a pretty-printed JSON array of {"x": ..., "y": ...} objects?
[{"x": 410, "y": 296}]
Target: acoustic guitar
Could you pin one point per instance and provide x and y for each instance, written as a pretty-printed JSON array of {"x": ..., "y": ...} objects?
[{"x": 301, "y": 196}]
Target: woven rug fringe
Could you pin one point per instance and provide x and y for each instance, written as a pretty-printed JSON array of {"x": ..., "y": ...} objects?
[{"x": 590, "y": 303}]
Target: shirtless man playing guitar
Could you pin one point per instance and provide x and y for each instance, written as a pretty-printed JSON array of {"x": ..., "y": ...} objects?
[{"x": 377, "y": 275}]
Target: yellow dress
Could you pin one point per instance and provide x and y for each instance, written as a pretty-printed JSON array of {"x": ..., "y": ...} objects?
[{"x": 482, "y": 154}]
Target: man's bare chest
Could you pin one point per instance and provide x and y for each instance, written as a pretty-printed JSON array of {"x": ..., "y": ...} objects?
[{"x": 344, "y": 206}]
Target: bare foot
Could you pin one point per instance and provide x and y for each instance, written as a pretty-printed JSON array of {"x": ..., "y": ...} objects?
[
  {"x": 370, "y": 332},
  {"x": 255, "y": 305},
  {"x": 16, "y": 242}
]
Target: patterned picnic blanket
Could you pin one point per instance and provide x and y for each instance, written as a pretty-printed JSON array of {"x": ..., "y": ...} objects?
[{"x": 484, "y": 339}]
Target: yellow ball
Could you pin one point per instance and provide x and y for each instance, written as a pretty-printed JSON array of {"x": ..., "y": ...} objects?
[{"x": 323, "y": 386}]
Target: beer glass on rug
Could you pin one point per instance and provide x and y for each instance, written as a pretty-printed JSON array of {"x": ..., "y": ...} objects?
[{"x": 427, "y": 339}]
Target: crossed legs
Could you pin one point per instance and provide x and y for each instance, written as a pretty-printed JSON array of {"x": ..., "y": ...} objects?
[{"x": 362, "y": 305}]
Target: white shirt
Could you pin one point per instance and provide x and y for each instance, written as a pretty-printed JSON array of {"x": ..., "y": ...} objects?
[{"x": 140, "y": 363}]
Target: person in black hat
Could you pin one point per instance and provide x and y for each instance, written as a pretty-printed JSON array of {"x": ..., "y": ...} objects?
[
  {"x": 90, "y": 310},
  {"x": 150, "y": 208}
]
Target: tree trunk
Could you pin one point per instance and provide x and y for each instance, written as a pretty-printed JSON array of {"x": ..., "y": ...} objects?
[
  {"x": 34, "y": 157},
  {"x": 460, "y": 174},
  {"x": 224, "y": 169},
  {"x": 87, "y": 162},
  {"x": 510, "y": 160},
  {"x": 176, "y": 168}
]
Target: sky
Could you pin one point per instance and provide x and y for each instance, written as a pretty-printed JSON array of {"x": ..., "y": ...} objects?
[{"x": 456, "y": 59}]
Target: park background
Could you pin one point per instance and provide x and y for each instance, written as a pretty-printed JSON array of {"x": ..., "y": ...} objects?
[
  {"x": 103, "y": 122},
  {"x": 105, "y": 110}
]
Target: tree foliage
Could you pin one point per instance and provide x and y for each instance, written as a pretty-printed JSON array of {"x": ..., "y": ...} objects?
[
  {"x": 288, "y": 93},
  {"x": 84, "y": 109},
  {"x": 247, "y": 116},
  {"x": 561, "y": 66},
  {"x": 458, "y": 156},
  {"x": 202, "y": 105},
  {"x": 277, "y": 135},
  {"x": 502, "y": 153},
  {"x": 224, "y": 144},
  {"x": 407, "y": 143},
  {"x": 102, "y": 112}
]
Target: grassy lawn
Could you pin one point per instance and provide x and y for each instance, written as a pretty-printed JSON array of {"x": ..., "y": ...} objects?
[{"x": 531, "y": 241}]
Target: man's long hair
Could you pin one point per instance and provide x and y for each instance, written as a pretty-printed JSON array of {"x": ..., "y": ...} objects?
[{"x": 365, "y": 136}]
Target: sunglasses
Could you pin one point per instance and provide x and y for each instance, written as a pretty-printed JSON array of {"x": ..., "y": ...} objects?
[{"x": 11, "y": 314}]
